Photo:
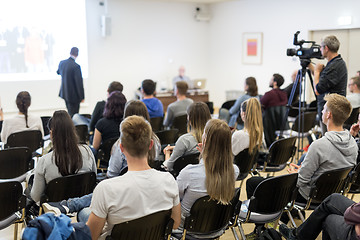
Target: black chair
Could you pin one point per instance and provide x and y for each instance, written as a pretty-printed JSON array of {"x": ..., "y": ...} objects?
[
  {"x": 326, "y": 184},
  {"x": 208, "y": 218},
  {"x": 210, "y": 106},
  {"x": 353, "y": 186},
  {"x": 268, "y": 202},
  {"x": 273, "y": 119},
  {"x": 279, "y": 154},
  {"x": 83, "y": 133},
  {"x": 154, "y": 226},
  {"x": 180, "y": 123},
  {"x": 31, "y": 139},
  {"x": 15, "y": 163},
  {"x": 45, "y": 122},
  {"x": 183, "y": 161},
  {"x": 228, "y": 104},
  {"x": 246, "y": 163},
  {"x": 104, "y": 153},
  {"x": 352, "y": 119},
  {"x": 309, "y": 123},
  {"x": 71, "y": 186},
  {"x": 12, "y": 203},
  {"x": 156, "y": 123},
  {"x": 167, "y": 136}
]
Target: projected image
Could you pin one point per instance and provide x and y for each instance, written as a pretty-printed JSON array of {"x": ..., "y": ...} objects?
[{"x": 35, "y": 35}]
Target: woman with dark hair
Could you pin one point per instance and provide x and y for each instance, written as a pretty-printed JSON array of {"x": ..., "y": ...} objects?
[
  {"x": 23, "y": 121},
  {"x": 108, "y": 126},
  {"x": 67, "y": 157},
  {"x": 251, "y": 90}
]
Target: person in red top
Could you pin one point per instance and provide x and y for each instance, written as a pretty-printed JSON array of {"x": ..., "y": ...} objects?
[
  {"x": 337, "y": 217},
  {"x": 276, "y": 96}
]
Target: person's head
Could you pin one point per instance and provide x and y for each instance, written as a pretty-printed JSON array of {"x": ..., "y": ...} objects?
[
  {"x": 358, "y": 73},
  {"x": 354, "y": 85},
  {"x": 251, "y": 87},
  {"x": 276, "y": 81},
  {"x": 329, "y": 43},
  {"x": 198, "y": 115},
  {"x": 252, "y": 118},
  {"x": 182, "y": 87},
  {"x": 23, "y": 101},
  {"x": 218, "y": 161},
  {"x": 66, "y": 152},
  {"x": 74, "y": 52},
  {"x": 148, "y": 86},
  {"x": 114, "y": 107},
  {"x": 136, "y": 107},
  {"x": 336, "y": 109},
  {"x": 115, "y": 86},
  {"x": 181, "y": 71},
  {"x": 135, "y": 136}
]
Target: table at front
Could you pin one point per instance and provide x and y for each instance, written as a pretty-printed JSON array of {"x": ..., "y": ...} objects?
[{"x": 197, "y": 97}]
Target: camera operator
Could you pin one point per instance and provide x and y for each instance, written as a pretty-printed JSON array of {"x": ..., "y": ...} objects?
[{"x": 331, "y": 78}]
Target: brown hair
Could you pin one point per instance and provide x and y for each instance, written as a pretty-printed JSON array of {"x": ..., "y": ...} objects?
[
  {"x": 135, "y": 135},
  {"x": 339, "y": 107},
  {"x": 23, "y": 101},
  {"x": 182, "y": 87},
  {"x": 198, "y": 115},
  {"x": 66, "y": 152},
  {"x": 252, "y": 86},
  {"x": 218, "y": 161},
  {"x": 115, "y": 86}
]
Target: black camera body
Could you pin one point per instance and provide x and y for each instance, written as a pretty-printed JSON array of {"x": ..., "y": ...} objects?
[{"x": 304, "y": 53}]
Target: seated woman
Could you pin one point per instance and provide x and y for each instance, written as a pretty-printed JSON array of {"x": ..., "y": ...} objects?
[
  {"x": 67, "y": 157},
  {"x": 251, "y": 90},
  {"x": 108, "y": 126},
  {"x": 215, "y": 175},
  {"x": 198, "y": 114},
  {"x": 23, "y": 121},
  {"x": 251, "y": 136}
]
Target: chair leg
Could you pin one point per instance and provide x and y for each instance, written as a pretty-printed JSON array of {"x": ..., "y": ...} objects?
[
  {"x": 241, "y": 230},
  {"x": 15, "y": 231},
  {"x": 234, "y": 233},
  {"x": 352, "y": 196},
  {"x": 241, "y": 183},
  {"x": 302, "y": 217},
  {"x": 184, "y": 235},
  {"x": 291, "y": 219}
]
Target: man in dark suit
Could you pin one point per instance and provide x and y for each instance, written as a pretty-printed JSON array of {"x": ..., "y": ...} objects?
[{"x": 72, "y": 88}]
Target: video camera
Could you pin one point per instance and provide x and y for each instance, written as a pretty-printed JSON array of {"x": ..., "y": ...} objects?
[{"x": 304, "y": 53}]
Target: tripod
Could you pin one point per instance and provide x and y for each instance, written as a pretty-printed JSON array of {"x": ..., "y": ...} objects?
[{"x": 300, "y": 78}]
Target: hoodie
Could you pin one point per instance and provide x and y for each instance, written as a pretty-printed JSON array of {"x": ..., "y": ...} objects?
[
  {"x": 154, "y": 107},
  {"x": 333, "y": 151}
]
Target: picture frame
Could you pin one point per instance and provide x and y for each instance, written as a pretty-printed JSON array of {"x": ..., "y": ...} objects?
[{"x": 252, "y": 48}]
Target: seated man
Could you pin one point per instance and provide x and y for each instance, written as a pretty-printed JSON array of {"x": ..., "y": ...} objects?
[
  {"x": 154, "y": 105},
  {"x": 337, "y": 217},
  {"x": 354, "y": 88},
  {"x": 276, "y": 96},
  {"x": 179, "y": 107}
]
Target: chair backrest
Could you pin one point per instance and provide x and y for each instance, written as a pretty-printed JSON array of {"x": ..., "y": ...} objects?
[
  {"x": 180, "y": 123},
  {"x": 309, "y": 122},
  {"x": 83, "y": 133},
  {"x": 45, "y": 121},
  {"x": 281, "y": 151},
  {"x": 327, "y": 183},
  {"x": 208, "y": 216},
  {"x": 273, "y": 194},
  {"x": 71, "y": 186},
  {"x": 156, "y": 123},
  {"x": 183, "y": 161},
  {"x": 353, "y": 179},
  {"x": 154, "y": 226},
  {"x": 11, "y": 198},
  {"x": 352, "y": 119},
  {"x": 15, "y": 162},
  {"x": 228, "y": 104},
  {"x": 167, "y": 136},
  {"x": 104, "y": 152},
  {"x": 246, "y": 161},
  {"x": 31, "y": 139},
  {"x": 273, "y": 119}
]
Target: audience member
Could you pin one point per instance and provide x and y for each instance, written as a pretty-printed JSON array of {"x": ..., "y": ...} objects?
[
  {"x": 108, "y": 126},
  {"x": 98, "y": 110},
  {"x": 179, "y": 107},
  {"x": 215, "y": 175},
  {"x": 354, "y": 88},
  {"x": 274, "y": 97},
  {"x": 23, "y": 121},
  {"x": 337, "y": 217},
  {"x": 67, "y": 156},
  {"x": 251, "y": 136},
  {"x": 289, "y": 88},
  {"x": 198, "y": 114},
  {"x": 251, "y": 90},
  {"x": 154, "y": 105},
  {"x": 142, "y": 190},
  {"x": 354, "y": 131},
  {"x": 182, "y": 77}
]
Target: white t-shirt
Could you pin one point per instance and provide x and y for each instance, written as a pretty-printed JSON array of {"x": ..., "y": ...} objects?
[
  {"x": 18, "y": 124},
  {"x": 240, "y": 140},
  {"x": 133, "y": 195}
]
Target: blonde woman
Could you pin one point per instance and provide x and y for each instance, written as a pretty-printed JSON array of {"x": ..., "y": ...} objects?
[
  {"x": 251, "y": 136},
  {"x": 198, "y": 114},
  {"x": 215, "y": 174}
]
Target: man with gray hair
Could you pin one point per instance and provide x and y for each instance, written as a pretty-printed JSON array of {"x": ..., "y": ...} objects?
[{"x": 331, "y": 78}]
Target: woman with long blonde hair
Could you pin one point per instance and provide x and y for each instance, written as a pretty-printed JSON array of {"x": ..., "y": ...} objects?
[{"x": 251, "y": 136}]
